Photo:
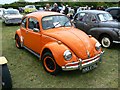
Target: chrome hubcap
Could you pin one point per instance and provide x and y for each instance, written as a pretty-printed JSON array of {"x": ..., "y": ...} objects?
[{"x": 106, "y": 42}]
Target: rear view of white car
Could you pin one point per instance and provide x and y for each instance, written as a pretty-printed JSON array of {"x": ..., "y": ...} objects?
[{"x": 11, "y": 16}]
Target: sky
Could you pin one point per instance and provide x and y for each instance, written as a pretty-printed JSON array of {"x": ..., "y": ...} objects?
[{"x": 11, "y": 1}]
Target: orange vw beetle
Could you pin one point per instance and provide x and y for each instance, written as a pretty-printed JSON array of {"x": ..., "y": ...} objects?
[{"x": 51, "y": 37}]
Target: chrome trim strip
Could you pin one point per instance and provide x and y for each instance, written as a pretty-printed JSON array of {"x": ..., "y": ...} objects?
[
  {"x": 70, "y": 68},
  {"x": 90, "y": 63},
  {"x": 71, "y": 63},
  {"x": 116, "y": 41},
  {"x": 91, "y": 58},
  {"x": 32, "y": 51}
]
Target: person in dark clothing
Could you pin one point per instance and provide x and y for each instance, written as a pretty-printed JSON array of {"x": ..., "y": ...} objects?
[
  {"x": 66, "y": 10},
  {"x": 55, "y": 8}
]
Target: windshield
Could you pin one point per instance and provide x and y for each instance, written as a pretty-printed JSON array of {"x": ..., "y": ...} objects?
[
  {"x": 11, "y": 12},
  {"x": 55, "y": 21},
  {"x": 105, "y": 17}
]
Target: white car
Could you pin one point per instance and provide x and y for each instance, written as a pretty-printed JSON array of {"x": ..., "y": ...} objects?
[
  {"x": 1, "y": 12},
  {"x": 11, "y": 16}
]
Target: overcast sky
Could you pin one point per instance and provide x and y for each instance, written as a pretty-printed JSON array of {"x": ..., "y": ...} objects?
[{"x": 11, "y": 1}]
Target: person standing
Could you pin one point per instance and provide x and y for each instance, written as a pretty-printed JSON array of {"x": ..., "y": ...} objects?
[
  {"x": 63, "y": 8},
  {"x": 55, "y": 8},
  {"x": 66, "y": 10},
  {"x": 47, "y": 8}
]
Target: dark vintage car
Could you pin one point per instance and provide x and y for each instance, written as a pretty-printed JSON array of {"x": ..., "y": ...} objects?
[
  {"x": 99, "y": 24},
  {"x": 115, "y": 12}
]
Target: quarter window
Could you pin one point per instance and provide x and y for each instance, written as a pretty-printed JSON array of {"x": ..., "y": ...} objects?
[{"x": 24, "y": 21}]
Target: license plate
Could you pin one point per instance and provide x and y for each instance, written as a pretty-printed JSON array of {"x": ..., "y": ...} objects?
[{"x": 86, "y": 69}]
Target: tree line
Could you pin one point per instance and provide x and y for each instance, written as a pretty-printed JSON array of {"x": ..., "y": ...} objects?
[{"x": 72, "y": 4}]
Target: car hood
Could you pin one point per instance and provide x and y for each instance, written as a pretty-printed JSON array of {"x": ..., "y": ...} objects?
[
  {"x": 112, "y": 24},
  {"x": 14, "y": 16},
  {"x": 76, "y": 40}
]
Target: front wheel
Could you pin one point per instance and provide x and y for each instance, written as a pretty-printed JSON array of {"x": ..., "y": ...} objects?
[
  {"x": 50, "y": 64},
  {"x": 106, "y": 41}
]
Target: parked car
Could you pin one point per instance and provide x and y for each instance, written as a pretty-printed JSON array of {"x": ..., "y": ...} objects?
[
  {"x": 99, "y": 24},
  {"x": 11, "y": 16},
  {"x": 115, "y": 12},
  {"x": 51, "y": 37},
  {"x": 30, "y": 8},
  {"x": 5, "y": 75},
  {"x": 1, "y": 12}
]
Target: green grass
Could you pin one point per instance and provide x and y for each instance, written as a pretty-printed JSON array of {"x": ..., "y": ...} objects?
[{"x": 27, "y": 71}]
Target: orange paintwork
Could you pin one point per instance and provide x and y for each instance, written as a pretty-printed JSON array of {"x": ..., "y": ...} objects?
[{"x": 57, "y": 40}]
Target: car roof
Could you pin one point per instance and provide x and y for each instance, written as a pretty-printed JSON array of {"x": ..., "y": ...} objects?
[
  {"x": 93, "y": 11},
  {"x": 40, "y": 14},
  {"x": 113, "y": 8}
]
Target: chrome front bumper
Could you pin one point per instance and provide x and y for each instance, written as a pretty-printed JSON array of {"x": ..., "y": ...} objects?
[{"x": 80, "y": 65}]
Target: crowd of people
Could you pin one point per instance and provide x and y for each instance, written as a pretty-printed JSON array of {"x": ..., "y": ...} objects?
[{"x": 67, "y": 10}]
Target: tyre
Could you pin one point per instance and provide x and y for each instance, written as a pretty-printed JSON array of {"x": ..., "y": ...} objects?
[
  {"x": 50, "y": 64},
  {"x": 106, "y": 41},
  {"x": 17, "y": 41},
  {"x": 6, "y": 78}
]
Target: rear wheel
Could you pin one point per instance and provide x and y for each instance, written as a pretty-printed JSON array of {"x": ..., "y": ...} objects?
[
  {"x": 17, "y": 41},
  {"x": 50, "y": 64},
  {"x": 106, "y": 41}
]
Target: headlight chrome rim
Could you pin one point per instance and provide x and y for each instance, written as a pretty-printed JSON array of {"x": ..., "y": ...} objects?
[
  {"x": 67, "y": 55},
  {"x": 98, "y": 46}
]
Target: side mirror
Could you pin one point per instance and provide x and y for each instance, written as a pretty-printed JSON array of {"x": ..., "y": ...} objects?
[
  {"x": 93, "y": 20},
  {"x": 36, "y": 30}
]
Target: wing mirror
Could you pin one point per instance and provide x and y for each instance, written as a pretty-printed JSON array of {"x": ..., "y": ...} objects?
[
  {"x": 93, "y": 20},
  {"x": 36, "y": 30}
]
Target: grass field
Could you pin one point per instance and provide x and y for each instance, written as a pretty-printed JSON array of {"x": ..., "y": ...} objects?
[{"x": 27, "y": 71}]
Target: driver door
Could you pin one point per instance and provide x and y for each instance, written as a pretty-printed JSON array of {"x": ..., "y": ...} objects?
[{"x": 33, "y": 35}]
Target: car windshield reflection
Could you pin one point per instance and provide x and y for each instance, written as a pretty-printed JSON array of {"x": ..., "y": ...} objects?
[
  {"x": 11, "y": 12},
  {"x": 49, "y": 22},
  {"x": 105, "y": 17}
]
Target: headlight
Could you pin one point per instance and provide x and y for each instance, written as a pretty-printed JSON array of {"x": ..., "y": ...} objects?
[
  {"x": 67, "y": 55},
  {"x": 98, "y": 46}
]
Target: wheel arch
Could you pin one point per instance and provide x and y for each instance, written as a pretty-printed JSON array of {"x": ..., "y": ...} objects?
[
  {"x": 57, "y": 51},
  {"x": 18, "y": 32},
  {"x": 104, "y": 34}
]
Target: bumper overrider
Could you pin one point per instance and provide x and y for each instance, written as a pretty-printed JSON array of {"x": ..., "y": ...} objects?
[{"x": 80, "y": 64}]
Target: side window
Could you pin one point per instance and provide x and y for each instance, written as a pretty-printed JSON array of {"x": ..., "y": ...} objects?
[
  {"x": 24, "y": 22},
  {"x": 92, "y": 18},
  {"x": 114, "y": 12},
  {"x": 33, "y": 23},
  {"x": 80, "y": 16},
  {"x": 86, "y": 18}
]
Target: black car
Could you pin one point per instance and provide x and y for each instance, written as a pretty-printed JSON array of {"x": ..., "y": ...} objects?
[
  {"x": 115, "y": 12},
  {"x": 99, "y": 24}
]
